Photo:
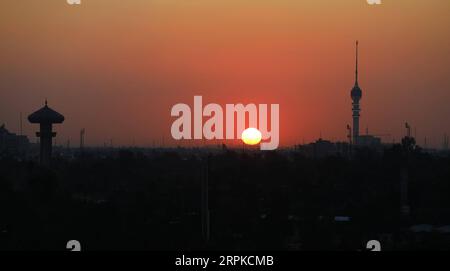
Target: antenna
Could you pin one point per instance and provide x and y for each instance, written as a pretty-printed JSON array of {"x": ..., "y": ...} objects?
[
  {"x": 21, "y": 125},
  {"x": 445, "y": 142},
  {"x": 349, "y": 134},
  {"x": 408, "y": 130},
  {"x": 356, "y": 71},
  {"x": 82, "y": 133}
]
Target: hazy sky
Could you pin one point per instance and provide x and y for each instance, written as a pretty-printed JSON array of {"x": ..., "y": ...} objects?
[{"x": 116, "y": 67}]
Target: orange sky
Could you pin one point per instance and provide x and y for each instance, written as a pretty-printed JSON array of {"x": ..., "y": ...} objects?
[{"x": 116, "y": 67}]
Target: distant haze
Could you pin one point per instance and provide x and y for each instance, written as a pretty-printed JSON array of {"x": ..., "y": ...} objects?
[{"x": 116, "y": 67}]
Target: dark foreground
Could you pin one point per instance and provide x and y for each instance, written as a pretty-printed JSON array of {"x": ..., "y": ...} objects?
[{"x": 134, "y": 200}]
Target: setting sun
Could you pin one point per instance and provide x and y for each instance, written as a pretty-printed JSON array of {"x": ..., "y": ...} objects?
[{"x": 251, "y": 136}]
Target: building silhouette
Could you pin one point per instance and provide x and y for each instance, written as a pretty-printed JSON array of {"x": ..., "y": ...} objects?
[
  {"x": 356, "y": 95},
  {"x": 11, "y": 143},
  {"x": 46, "y": 117},
  {"x": 322, "y": 148}
]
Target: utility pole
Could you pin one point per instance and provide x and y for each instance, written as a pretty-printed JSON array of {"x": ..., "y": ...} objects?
[
  {"x": 205, "y": 200},
  {"x": 408, "y": 130},
  {"x": 21, "y": 125},
  {"x": 82, "y": 133},
  {"x": 349, "y": 134}
]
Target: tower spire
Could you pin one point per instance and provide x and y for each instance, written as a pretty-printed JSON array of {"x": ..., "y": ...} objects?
[
  {"x": 356, "y": 95},
  {"x": 356, "y": 70}
]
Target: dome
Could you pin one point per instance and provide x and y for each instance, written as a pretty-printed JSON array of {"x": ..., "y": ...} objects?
[
  {"x": 356, "y": 93},
  {"x": 46, "y": 115}
]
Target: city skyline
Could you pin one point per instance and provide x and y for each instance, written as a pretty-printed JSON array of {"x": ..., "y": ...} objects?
[
  {"x": 102, "y": 73},
  {"x": 257, "y": 129}
]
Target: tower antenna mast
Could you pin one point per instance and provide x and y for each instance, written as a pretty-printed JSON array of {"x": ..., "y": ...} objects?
[{"x": 356, "y": 71}]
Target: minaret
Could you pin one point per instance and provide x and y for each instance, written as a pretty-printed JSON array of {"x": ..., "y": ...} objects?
[{"x": 356, "y": 95}]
